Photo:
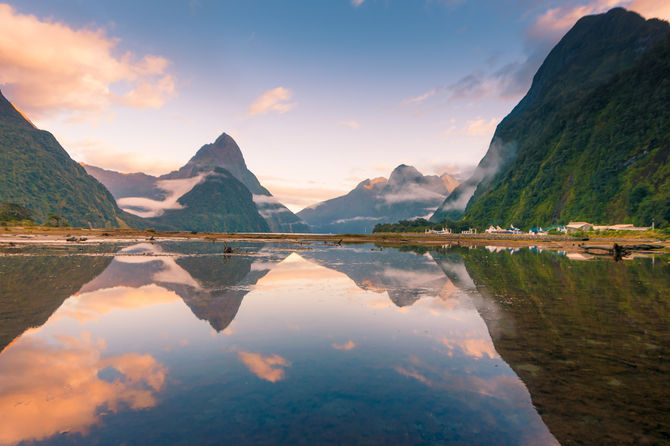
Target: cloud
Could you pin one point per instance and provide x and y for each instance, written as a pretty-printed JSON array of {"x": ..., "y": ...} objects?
[
  {"x": 652, "y": 8},
  {"x": 147, "y": 207},
  {"x": 275, "y": 100},
  {"x": 413, "y": 193},
  {"x": 556, "y": 21},
  {"x": 268, "y": 368},
  {"x": 297, "y": 196},
  {"x": 512, "y": 79},
  {"x": 101, "y": 154},
  {"x": 353, "y": 125},
  {"x": 350, "y": 345},
  {"x": 481, "y": 127},
  {"x": 356, "y": 3},
  {"x": 474, "y": 127},
  {"x": 48, "y": 67}
]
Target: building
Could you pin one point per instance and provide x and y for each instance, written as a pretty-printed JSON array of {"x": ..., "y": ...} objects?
[
  {"x": 575, "y": 226},
  {"x": 443, "y": 231}
]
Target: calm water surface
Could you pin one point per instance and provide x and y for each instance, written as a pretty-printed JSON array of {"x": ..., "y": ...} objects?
[{"x": 173, "y": 343}]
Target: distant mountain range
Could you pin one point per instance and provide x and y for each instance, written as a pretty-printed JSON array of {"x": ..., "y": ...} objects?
[
  {"x": 214, "y": 191},
  {"x": 37, "y": 173},
  {"x": 406, "y": 194},
  {"x": 591, "y": 138}
]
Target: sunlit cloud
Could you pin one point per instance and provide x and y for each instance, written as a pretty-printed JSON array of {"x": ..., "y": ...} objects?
[
  {"x": 276, "y": 100},
  {"x": 353, "y": 125},
  {"x": 349, "y": 345},
  {"x": 99, "y": 153},
  {"x": 556, "y": 21},
  {"x": 76, "y": 71},
  {"x": 269, "y": 368},
  {"x": 50, "y": 388},
  {"x": 356, "y": 3},
  {"x": 474, "y": 127}
]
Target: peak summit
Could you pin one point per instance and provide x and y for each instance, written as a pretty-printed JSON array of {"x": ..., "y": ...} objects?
[{"x": 223, "y": 152}]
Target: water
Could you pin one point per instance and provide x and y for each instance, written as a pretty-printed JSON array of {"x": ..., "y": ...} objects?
[{"x": 173, "y": 343}]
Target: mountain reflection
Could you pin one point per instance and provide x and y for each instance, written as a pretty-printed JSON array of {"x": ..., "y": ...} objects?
[
  {"x": 347, "y": 339},
  {"x": 589, "y": 339},
  {"x": 213, "y": 286},
  {"x": 32, "y": 288},
  {"x": 405, "y": 276}
]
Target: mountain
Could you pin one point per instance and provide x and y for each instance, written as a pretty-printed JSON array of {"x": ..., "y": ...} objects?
[
  {"x": 406, "y": 194},
  {"x": 219, "y": 202},
  {"x": 214, "y": 191},
  {"x": 583, "y": 91},
  {"x": 37, "y": 173}
]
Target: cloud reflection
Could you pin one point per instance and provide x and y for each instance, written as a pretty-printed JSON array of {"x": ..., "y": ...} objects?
[
  {"x": 350, "y": 345},
  {"x": 52, "y": 388},
  {"x": 268, "y": 368}
]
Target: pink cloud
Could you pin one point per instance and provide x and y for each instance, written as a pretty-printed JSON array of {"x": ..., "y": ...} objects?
[{"x": 59, "y": 68}]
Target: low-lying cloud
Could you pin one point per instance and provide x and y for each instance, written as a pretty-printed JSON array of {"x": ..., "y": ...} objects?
[{"x": 147, "y": 207}]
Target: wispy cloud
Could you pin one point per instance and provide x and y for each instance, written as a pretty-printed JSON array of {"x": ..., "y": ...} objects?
[
  {"x": 356, "y": 3},
  {"x": 277, "y": 100},
  {"x": 353, "y": 125},
  {"x": 513, "y": 78},
  {"x": 474, "y": 127},
  {"x": 48, "y": 67},
  {"x": 556, "y": 21},
  {"x": 152, "y": 208}
]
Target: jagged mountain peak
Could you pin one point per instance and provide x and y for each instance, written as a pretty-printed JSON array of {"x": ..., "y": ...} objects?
[{"x": 223, "y": 152}]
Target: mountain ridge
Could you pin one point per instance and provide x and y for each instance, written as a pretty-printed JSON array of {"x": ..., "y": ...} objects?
[
  {"x": 405, "y": 194},
  {"x": 595, "y": 49}
]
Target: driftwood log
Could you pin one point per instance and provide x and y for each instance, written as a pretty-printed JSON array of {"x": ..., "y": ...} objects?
[{"x": 619, "y": 251}]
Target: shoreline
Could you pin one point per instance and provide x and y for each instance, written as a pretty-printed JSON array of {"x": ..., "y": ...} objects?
[{"x": 47, "y": 236}]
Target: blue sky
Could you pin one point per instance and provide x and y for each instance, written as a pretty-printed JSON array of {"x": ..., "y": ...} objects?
[{"x": 319, "y": 94}]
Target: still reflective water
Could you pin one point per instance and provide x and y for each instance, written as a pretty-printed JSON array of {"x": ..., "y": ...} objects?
[{"x": 173, "y": 343}]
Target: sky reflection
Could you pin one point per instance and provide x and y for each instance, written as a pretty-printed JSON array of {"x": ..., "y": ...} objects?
[{"x": 153, "y": 338}]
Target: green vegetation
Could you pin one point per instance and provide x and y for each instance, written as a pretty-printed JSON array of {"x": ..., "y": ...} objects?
[
  {"x": 603, "y": 160},
  {"x": 14, "y": 214},
  {"x": 421, "y": 224},
  {"x": 589, "y": 141},
  {"x": 221, "y": 203},
  {"x": 37, "y": 174}
]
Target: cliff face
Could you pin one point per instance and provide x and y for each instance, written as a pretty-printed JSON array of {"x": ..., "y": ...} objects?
[{"x": 577, "y": 111}]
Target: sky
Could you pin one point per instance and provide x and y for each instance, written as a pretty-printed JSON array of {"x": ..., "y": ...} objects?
[{"x": 319, "y": 95}]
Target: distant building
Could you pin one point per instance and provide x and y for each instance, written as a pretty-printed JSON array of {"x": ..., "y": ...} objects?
[
  {"x": 537, "y": 231},
  {"x": 469, "y": 231},
  {"x": 575, "y": 226},
  {"x": 443, "y": 231}
]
